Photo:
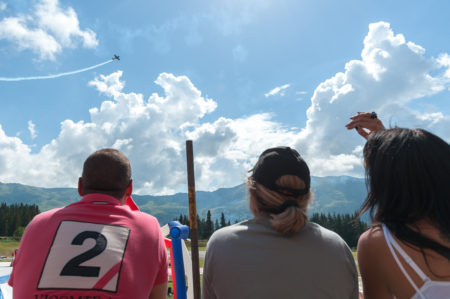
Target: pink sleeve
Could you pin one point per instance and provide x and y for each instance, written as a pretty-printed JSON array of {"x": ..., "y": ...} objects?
[
  {"x": 163, "y": 274},
  {"x": 24, "y": 242}
]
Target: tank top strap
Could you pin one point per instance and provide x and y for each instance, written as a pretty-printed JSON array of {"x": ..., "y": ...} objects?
[{"x": 390, "y": 241}]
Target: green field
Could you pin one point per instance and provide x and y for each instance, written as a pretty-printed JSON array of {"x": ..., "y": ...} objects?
[
  {"x": 7, "y": 246},
  {"x": 201, "y": 245}
]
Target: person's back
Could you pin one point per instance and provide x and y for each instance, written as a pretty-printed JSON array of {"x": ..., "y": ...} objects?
[
  {"x": 278, "y": 254},
  {"x": 406, "y": 253},
  {"x": 252, "y": 260},
  {"x": 94, "y": 248}
]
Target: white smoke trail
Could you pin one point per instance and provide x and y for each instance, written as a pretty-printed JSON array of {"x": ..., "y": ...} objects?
[{"x": 56, "y": 75}]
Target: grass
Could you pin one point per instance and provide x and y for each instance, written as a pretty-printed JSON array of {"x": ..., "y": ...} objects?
[
  {"x": 356, "y": 261},
  {"x": 201, "y": 245},
  {"x": 7, "y": 246}
]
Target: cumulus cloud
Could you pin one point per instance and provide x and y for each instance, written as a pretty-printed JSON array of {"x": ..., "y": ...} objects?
[
  {"x": 280, "y": 90},
  {"x": 46, "y": 30},
  {"x": 391, "y": 73},
  {"x": 32, "y": 129},
  {"x": 152, "y": 131},
  {"x": 444, "y": 61}
]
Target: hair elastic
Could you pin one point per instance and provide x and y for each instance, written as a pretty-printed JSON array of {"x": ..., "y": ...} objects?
[{"x": 287, "y": 203}]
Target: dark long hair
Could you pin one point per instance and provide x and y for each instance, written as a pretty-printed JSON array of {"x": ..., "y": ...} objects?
[{"x": 408, "y": 179}]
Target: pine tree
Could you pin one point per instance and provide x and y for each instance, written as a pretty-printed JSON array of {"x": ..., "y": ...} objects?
[
  {"x": 223, "y": 223},
  {"x": 209, "y": 226},
  {"x": 14, "y": 216}
]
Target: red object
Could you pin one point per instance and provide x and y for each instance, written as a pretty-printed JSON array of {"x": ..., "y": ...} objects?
[
  {"x": 172, "y": 266},
  {"x": 130, "y": 202},
  {"x": 52, "y": 234}
]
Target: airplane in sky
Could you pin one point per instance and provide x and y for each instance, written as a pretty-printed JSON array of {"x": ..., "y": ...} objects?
[{"x": 116, "y": 57}]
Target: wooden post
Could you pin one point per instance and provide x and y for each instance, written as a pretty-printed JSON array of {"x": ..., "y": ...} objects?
[{"x": 193, "y": 219}]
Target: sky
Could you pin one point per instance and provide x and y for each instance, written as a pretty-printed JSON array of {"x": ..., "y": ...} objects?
[{"x": 234, "y": 76}]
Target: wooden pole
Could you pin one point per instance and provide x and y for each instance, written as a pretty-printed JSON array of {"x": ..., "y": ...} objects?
[{"x": 193, "y": 219}]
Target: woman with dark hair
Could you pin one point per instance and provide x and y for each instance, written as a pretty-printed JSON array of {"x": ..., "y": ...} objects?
[
  {"x": 406, "y": 253},
  {"x": 278, "y": 253}
]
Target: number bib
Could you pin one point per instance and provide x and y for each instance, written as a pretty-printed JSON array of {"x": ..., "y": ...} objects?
[{"x": 85, "y": 256}]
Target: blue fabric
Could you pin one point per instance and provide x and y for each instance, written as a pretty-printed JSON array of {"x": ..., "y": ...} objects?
[{"x": 4, "y": 279}]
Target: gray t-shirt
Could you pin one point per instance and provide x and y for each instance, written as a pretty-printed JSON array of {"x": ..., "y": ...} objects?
[{"x": 252, "y": 260}]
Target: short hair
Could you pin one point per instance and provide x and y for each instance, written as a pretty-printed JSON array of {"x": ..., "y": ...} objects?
[
  {"x": 407, "y": 174},
  {"x": 106, "y": 171}
]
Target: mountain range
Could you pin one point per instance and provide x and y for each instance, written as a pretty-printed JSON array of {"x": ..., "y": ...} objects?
[{"x": 333, "y": 194}]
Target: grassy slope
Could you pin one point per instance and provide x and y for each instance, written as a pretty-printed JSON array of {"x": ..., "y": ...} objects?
[{"x": 7, "y": 246}]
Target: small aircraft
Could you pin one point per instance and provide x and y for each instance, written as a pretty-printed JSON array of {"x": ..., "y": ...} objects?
[{"x": 116, "y": 57}]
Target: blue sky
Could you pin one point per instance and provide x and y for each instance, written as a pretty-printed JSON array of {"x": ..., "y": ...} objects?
[{"x": 234, "y": 76}]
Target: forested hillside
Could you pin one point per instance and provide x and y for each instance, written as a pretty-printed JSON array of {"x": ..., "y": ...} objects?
[{"x": 341, "y": 194}]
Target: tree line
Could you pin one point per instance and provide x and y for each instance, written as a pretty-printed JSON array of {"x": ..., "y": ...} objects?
[
  {"x": 206, "y": 226},
  {"x": 348, "y": 226},
  {"x": 14, "y": 218}
]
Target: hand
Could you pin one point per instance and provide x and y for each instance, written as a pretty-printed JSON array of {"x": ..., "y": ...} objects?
[{"x": 365, "y": 121}]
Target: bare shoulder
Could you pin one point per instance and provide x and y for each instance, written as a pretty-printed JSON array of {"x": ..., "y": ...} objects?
[
  {"x": 373, "y": 234},
  {"x": 372, "y": 252},
  {"x": 370, "y": 245},
  {"x": 372, "y": 240}
]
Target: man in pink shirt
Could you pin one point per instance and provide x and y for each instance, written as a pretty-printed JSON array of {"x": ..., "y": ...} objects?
[{"x": 96, "y": 248}]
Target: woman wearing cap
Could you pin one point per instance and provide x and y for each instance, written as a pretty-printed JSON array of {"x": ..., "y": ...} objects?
[
  {"x": 406, "y": 252},
  {"x": 278, "y": 253}
]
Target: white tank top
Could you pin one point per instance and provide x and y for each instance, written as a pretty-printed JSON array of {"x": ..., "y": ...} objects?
[{"x": 430, "y": 289}]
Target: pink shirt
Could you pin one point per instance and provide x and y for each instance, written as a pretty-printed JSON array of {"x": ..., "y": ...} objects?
[{"x": 94, "y": 248}]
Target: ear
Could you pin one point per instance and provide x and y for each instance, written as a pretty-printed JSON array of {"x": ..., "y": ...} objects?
[
  {"x": 80, "y": 186},
  {"x": 129, "y": 189}
]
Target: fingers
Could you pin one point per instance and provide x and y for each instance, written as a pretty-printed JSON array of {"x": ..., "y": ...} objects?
[
  {"x": 361, "y": 132},
  {"x": 361, "y": 119},
  {"x": 365, "y": 120},
  {"x": 361, "y": 115},
  {"x": 365, "y": 123}
]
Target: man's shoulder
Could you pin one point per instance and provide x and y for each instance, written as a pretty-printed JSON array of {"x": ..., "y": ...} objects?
[
  {"x": 142, "y": 221},
  {"x": 45, "y": 216}
]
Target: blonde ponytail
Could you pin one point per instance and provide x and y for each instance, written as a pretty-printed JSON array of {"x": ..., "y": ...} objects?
[{"x": 263, "y": 201}]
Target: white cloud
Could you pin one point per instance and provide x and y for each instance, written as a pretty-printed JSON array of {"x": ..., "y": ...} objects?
[
  {"x": 444, "y": 61},
  {"x": 391, "y": 74},
  {"x": 280, "y": 90},
  {"x": 46, "y": 30},
  {"x": 32, "y": 129},
  {"x": 3, "y": 6},
  {"x": 152, "y": 132}
]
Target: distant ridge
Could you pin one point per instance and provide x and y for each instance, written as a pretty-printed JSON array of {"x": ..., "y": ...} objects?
[{"x": 332, "y": 194}]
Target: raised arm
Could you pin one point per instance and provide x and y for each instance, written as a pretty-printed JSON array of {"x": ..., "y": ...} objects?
[{"x": 365, "y": 123}]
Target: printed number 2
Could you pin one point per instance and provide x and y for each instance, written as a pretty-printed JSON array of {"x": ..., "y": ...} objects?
[{"x": 73, "y": 268}]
